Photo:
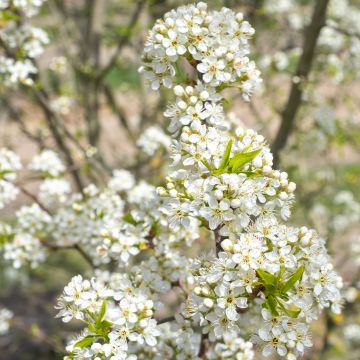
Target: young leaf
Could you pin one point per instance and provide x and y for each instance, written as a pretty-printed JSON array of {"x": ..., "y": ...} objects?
[
  {"x": 293, "y": 279},
  {"x": 292, "y": 313},
  {"x": 129, "y": 219},
  {"x": 266, "y": 277},
  {"x": 207, "y": 165},
  {"x": 102, "y": 312},
  {"x": 238, "y": 161},
  {"x": 281, "y": 272},
  {"x": 86, "y": 341},
  {"x": 226, "y": 156},
  {"x": 271, "y": 304}
]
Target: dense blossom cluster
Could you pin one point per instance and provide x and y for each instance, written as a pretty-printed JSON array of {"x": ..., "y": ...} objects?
[
  {"x": 265, "y": 282},
  {"x": 21, "y": 42},
  {"x": 215, "y": 43},
  {"x": 268, "y": 255}
]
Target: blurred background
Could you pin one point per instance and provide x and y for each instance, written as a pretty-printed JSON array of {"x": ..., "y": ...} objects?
[{"x": 91, "y": 105}]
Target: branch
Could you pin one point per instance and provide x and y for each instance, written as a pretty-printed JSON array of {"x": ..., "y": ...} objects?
[
  {"x": 303, "y": 69},
  {"x": 343, "y": 31},
  {"x": 204, "y": 346},
  {"x": 118, "y": 111},
  {"x": 50, "y": 117},
  {"x": 30, "y": 195},
  {"x": 122, "y": 41},
  {"x": 218, "y": 240},
  {"x": 165, "y": 320},
  {"x": 76, "y": 247}
]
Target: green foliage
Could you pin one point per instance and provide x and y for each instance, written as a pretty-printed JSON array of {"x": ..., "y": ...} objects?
[
  {"x": 276, "y": 290},
  {"x": 100, "y": 329},
  {"x": 236, "y": 163},
  {"x": 86, "y": 341}
]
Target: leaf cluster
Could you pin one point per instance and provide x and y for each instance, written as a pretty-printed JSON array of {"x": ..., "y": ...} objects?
[{"x": 277, "y": 288}]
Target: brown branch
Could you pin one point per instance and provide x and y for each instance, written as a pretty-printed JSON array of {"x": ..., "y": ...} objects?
[
  {"x": 344, "y": 31},
  {"x": 303, "y": 69},
  {"x": 204, "y": 346},
  {"x": 32, "y": 197},
  {"x": 118, "y": 111},
  {"x": 218, "y": 240},
  {"x": 166, "y": 320},
  {"x": 123, "y": 40},
  {"x": 50, "y": 117},
  {"x": 54, "y": 247}
]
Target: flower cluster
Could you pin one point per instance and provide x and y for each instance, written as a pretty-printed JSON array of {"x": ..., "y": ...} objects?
[
  {"x": 215, "y": 43},
  {"x": 28, "y": 7},
  {"x": 153, "y": 139},
  {"x": 48, "y": 164},
  {"x": 24, "y": 249},
  {"x": 232, "y": 347},
  {"x": 223, "y": 176},
  {"x": 116, "y": 320},
  {"x": 21, "y": 43},
  {"x": 288, "y": 266},
  {"x": 265, "y": 282}
]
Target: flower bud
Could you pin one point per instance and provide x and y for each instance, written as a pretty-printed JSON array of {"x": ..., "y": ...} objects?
[
  {"x": 179, "y": 90},
  {"x": 173, "y": 193},
  {"x": 197, "y": 290},
  {"x": 227, "y": 245},
  {"x": 291, "y": 187},
  {"x": 219, "y": 194},
  {"x": 208, "y": 302},
  {"x": 204, "y": 95},
  {"x": 189, "y": 90},
  {"x": 182, "y": 105}
]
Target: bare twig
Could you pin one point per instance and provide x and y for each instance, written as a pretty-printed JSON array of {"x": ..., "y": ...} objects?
[
  {"x": 204, "y": 346},
  {"x": 346, "y": 32},
  {"x": 165, "y": 320},
  {"x": 303, "y": 69},
  {"x": 118, "y": 111},
  {"x": 123, "y": 40},
  {"x": 52, "y": 122},
  {"x": 77, "y": 247},
  {"x": 33, "y": 197}
]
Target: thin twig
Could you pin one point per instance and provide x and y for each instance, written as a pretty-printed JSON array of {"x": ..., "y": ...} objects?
[
  {"x": 54, "y": 247},
  {"x": 303, "y": 69},
  {"x": 31, "y": 196},
  {"x": 344, "y": 31},
  {"x": 204, "y": 345},
  {"x": 166, "y": 320},
  {"x": 122, "y": 41}
]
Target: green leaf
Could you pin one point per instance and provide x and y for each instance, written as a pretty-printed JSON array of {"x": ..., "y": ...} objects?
[
  {"x": 92, "y": 327},
  {"x": 266, "y": 277},
  {"x": 272, "y": 304},
  {"x": 238, "y": 161},
  {"x": 226, "y": 156},
  {"x": 129, "y": 219},
  {"x": 281, "y": 272},
  {"x": 207, "y": 165},
  {"x": 86, "y": 341},
  {"x": 293, "y": 279},
  {"x": 102, "y": 312},
  {"x": 288, "y": 312}
]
